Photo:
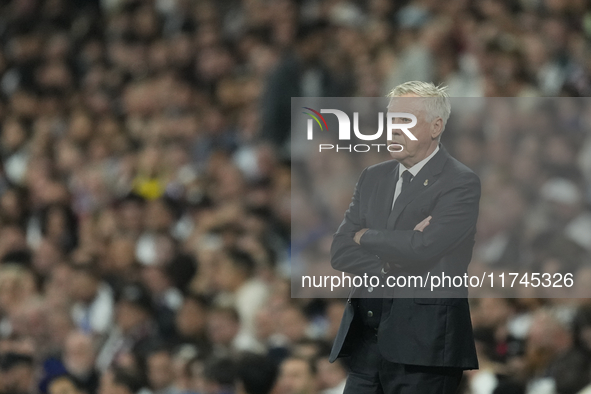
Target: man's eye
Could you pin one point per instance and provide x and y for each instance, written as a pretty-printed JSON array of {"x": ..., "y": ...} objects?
[{"x": 406, "y": 120}]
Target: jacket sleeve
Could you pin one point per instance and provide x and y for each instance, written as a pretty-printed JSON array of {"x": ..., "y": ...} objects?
[
  {"x": 346, "y": 255},
  {"x": 453, "y": 220}
]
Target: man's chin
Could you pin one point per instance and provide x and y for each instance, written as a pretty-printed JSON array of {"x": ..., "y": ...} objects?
[{"x": 398, "y": 155}]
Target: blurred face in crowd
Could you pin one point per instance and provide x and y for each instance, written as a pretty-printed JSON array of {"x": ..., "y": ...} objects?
[
  {"x": 310, "y": 47},
  {"x": 129, "y": 315},
  {"x": 11, "y": 238},
  {"x": 330, "y": 374},
  {"x": 164, "y": 249},
  {"x": 181, "y": 371},
  {"x": 547, "y": 336},
  {"x": 59, "y": 325},
  {"x": 56, "y": 223},
  {"x": 190, "y": 318},
  {"x": 121, "y": 389},
  {"x": 106, "y": 384},
  {"x": 159, "y": 370},
  {"x": 222, "y": 327},
  {"x": 11, "y": 205},
  {"x": 16, "y": 286},
  {"x": 110, "y": 385},
  {"x": 585, "y": 337},
  {"x": 46, "y": 256},
  {"x": 13, "y": 135},
  {"x": 83, "y": 286},
  {"x": 197, "y": 377},
  {"x": 308, "y": 350},
  {"x": 293, "y": 324},
  {"x": 229, "y": 277},
  {"x": 296, "y": 377},
  {"x": 17, "y": 379},
  {"x": 31, "y": 320},
  {"x": 79, "y": 353},
  {"x": 581, "y": 287},
  {"x": 427, "y": 130},
  {"x": 80, "y": 128},
  {"x": 62, "y": 386},
  {"x": 265, "y": 324},
  {"x": 131, "y": 216},
  {"x": 122, "y": 254},
  {"x": 155, "y": 279},
  {"x": 157, "y": 216},
  {"x": 492, "y": 312}
]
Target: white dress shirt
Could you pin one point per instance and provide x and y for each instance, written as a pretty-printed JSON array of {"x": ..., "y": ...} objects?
[{"x": 414, "y": 170}]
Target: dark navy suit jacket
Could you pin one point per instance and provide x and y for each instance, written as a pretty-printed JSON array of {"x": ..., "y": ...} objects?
[{"x": 429, "y": 328}]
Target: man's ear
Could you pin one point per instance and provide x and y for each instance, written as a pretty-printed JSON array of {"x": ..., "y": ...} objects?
[{"x": 436, "y": 128}]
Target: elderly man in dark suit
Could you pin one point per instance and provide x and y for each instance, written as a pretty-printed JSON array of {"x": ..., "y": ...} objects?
[{"x": 414, "y": 215}]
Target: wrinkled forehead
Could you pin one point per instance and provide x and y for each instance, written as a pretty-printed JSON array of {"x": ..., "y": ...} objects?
[{"x": 411, "y": 104}]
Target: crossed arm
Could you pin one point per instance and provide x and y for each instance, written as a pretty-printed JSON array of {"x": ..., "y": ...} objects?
[
  {"x": 419, "y": 227},
  {"x": 359, "y": 250}
]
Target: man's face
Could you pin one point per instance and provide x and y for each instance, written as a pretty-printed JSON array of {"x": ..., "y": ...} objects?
[
  {"x": 159, "y": 370},
  {"x": 425, "y": 131},
  {"x": 62, "y": 386},
  {"x": 128, "y": 315},
  {"x": 191, "y": 318},
  {"x": 221, "y": 328},
  {"x": 79, "y": 353},
  {"x": 295, "y": 377},
  {"x": 83, "y": 286}
]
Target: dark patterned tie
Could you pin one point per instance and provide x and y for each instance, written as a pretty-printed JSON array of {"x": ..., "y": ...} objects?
[{"x": 406, "y": 178}]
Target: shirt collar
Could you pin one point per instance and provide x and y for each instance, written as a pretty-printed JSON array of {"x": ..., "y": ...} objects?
[{"x": 414, "y": 170}]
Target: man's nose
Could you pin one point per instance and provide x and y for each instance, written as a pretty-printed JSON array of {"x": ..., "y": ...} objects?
[{"x": 395, "y": 133}]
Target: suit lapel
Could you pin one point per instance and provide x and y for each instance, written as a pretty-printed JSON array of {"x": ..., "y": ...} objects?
[{"x": 421, "y": 182}]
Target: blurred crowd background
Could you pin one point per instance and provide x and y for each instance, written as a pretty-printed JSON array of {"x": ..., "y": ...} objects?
[{"x": 145, "y": 207}]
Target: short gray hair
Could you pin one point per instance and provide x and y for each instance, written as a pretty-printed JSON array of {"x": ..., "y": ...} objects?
[{"x": 440, "y": 106}]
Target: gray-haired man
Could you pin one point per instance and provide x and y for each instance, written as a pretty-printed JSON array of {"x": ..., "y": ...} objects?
[{"x": 409, "y": 216}]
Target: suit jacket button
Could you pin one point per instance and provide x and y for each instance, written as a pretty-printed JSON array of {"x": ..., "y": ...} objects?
[
  {"x": 370, "y": 289},
  {"x": 370, "y": 314}
]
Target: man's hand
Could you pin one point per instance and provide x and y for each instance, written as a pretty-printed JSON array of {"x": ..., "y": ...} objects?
[
  {"x": 421, "y": 226},
  {"x": 358, "y": 234}
]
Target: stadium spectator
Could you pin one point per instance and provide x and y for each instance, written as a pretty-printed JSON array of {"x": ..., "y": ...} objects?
[
  {"x": 63, "y": 384},
  {"x": 297, "y": 375},
  {"x": 93, "y": 303},
  {"x": 79, "y": 360},
  {"x": 255, "y": 374}
]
